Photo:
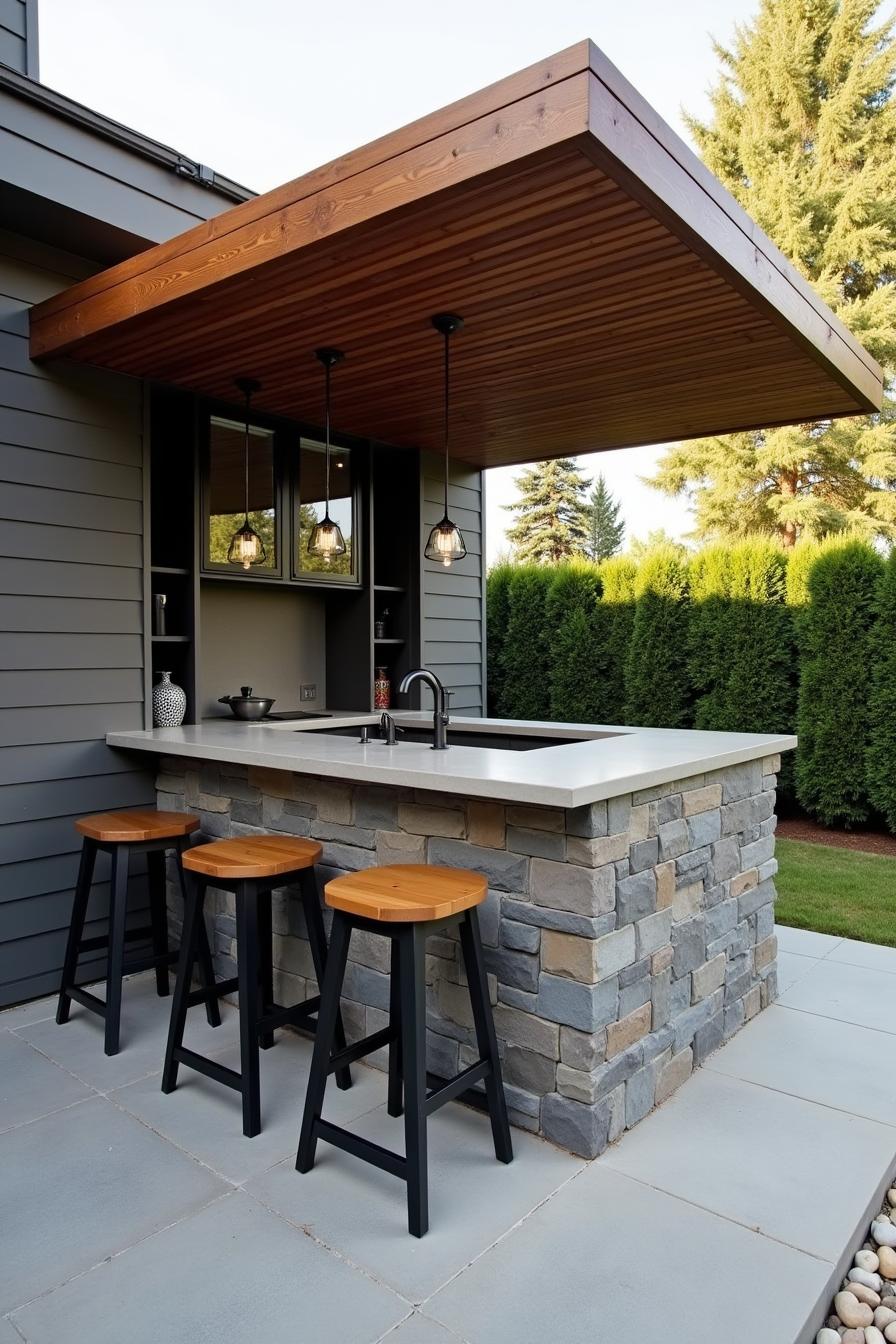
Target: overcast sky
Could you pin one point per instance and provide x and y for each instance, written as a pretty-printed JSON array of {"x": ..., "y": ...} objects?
[{"x": 264, "y": 91}]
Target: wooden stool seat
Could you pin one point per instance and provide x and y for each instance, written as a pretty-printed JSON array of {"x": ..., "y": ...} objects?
[
  {"x": 253, "y": 856},
  {"x": 406, "y": 893},
  {"x": 136, "y": 825}
]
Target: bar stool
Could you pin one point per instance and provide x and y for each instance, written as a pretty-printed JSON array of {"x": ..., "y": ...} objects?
[
  {"x": 142, "y": 830},
  {"x": 251, "y": 867},
  {"x": 404, "y": 902}
]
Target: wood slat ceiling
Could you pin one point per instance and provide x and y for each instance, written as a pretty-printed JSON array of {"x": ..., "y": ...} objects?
[{"x": 613, "y": 293}]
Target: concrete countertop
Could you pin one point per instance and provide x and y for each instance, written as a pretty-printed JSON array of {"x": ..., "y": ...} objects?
[{"x": 604, "y": 762}]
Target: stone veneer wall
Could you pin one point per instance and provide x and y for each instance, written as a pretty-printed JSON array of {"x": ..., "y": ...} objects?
[{"x": 625, "y": 940}]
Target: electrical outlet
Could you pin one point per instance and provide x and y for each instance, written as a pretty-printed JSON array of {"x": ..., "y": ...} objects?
[{"x": 309, "y": 691}]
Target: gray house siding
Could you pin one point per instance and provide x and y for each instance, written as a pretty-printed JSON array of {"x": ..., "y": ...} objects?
[
  {"x": 71, "y": 652},
  {"x": 453, "y": 624},
  {"x": 18, "y": 35}
]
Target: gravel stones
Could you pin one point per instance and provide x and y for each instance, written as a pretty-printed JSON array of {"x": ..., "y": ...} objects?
[
  {"x": 853, "y": 1313},
  {"x": 886, "y": 1262},
  {"x": 860, "y": 1316},
  {"x": 868, "y": 1261},
  {"x": 883, "y": 1232}
]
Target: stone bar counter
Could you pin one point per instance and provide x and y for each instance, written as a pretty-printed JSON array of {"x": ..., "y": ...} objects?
[{"x": 628, "y": 929}]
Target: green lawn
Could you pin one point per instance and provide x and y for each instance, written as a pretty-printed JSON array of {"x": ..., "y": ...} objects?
[{"x": 839, "y": 891}]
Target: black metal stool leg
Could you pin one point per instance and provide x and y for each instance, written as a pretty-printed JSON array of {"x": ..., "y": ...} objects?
[
  {"x": 314, "y": 922},
  {"x": 327, "y": 1019},
  {"x": 203, "y": 953},
  {"x": 194, "y": 898},
  {"x": 247, "y": 900},
  {"x": 412, "y": 974},
  {"x": 158, "y": 917},
  {"x": 471, "y": 946},
  {"x": 118, "y": 914},
  {"x": 76, "y": 927},
  {"x": 394, "y": 1101},
  {"x": 265, "y": 964}
]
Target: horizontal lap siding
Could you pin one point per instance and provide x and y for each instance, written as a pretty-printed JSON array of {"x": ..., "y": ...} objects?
[
  {"x": 453, "y": 612},
  {"x": 71, "y": 622}
]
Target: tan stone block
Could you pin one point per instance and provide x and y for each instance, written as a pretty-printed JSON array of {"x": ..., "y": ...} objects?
[
  {"x": 486, "y": 825},
  {"x": 527, "y": 1031},
  {"x": 765, "y": 952},
  {"x": 662, "y": 959},
  {"x": 665, "y": 884},
  {"x": 275, "y": 783},
  {"x": 752, "y": 1003},
  {"x": 702, "y": 800},
  {"x": 742, "y": 882},
  {"x": 333, "y": 800},
  {"x": 639, "y": 823},
  {"x": 566, "y": 954},
  {"x": 771, "y": 765},
  {"x": 709, "y": 977},
  {"x": 576, "y": 1084},
  {"x": 598, "y": 852},
  {"x": 537, "y": 818},
  {"x": 674, "y": 1074},
  {"x": 399, "y": 847},
  {"x": 622, "y": 1034},
  {"x": 212, "y": 802},
  {"x": 423, "y": 819},
  {"x": 687, "y": 901}
]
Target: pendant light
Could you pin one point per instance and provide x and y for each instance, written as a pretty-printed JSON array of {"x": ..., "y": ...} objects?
[
  {"x": 446, "y": 542},
  {"x": 326, "y": 538},
  {"x": 247, "y": 547}
]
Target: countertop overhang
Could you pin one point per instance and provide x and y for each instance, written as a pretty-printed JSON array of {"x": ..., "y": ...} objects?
[{"x": 605, "y": 762}]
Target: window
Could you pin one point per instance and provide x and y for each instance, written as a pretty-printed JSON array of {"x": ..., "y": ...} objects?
[
  {"x": 310, "y": 505},
  {"x": 225, "y": 494}
]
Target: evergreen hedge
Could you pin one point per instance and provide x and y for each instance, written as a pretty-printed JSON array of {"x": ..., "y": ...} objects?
[
  {"x": 834, "y": 631},
  {"x": 526, "y": 656},
  {"x": 657, "y": 685},
  {"x": 497, "y": 609},
  {"x": 578, "y": 653},
  {"x": 881, "y": 758},
  {"x": 616, "y": 616}
]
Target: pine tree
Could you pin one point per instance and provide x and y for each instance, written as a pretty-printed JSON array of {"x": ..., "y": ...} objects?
[
  {"x": 606, "y": 528},
  {"x": 551, "y": 514},
  {"x": 803, "y": 133}
]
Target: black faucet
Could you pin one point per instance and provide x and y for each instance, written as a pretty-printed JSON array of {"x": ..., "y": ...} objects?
[
  {"x": 388, "y": 729},
  {"x": 440, "y": 704}
]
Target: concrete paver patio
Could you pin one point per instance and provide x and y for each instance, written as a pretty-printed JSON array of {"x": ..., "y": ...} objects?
[{"x": 141, "y": 1216}]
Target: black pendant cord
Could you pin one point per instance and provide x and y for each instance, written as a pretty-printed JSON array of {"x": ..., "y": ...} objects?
[
  {"x": 447, "y": 374},
  {"x": 246, "y": 451},
  {"x": 327, "y": 370}
]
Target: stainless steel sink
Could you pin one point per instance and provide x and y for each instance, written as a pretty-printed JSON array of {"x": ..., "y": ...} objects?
[{"x": 457, "y": 737}]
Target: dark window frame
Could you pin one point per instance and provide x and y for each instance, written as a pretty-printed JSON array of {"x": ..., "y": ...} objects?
[{"x": 318, "y": 577}]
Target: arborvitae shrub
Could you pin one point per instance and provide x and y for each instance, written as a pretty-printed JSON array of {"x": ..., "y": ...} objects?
[
  {"x": 497, "y": 608},
  {"x": 578, "y": 655},
  {"x": 835, "y": 639},
  {"x": 615, "y": 617},
  {"x": 881, "y": 758},
  {"x": 656, "y": 671},
  {"x": 526, "y": 657}
]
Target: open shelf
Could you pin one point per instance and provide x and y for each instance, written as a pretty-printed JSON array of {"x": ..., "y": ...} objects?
[
  {"x": 388, "y": 588},
  {"x": 170, "y": 639},
  {"x": 388, "y": 641},
  {"x": 169, "y": 569}
]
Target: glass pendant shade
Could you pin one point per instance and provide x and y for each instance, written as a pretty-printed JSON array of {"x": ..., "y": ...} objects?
[
  {"x": 246, "y": 546},
  {"x": 326, "y": 540},
  {"x": 446, "y": 542}
]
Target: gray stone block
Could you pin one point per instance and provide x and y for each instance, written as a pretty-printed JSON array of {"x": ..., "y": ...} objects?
[
  {"x": 589, "y": 821},
  {"x": 636, "y": 971},
  {"x": 583, "y": 1050},
  {"x": 660, "y": 998},
  {"x": 529, "y": 1070},
  {"x": 654, "y": 931},
  {"x": 565, "y": 886},
  {"x": 490, "y": 918},
  {"x": 543, "y": 844},
  {"x": 517, "y": 998},
  {"x": 441, "y": 1055},
  {"x": 709, "y": 1037},
  {"x": 636, "y": 897},
  {"x": 639, "y": 1094},
  {"x": 634, "y": 995},
  {"x": 765, "y": 922},
  {"x": 735, "y": 1014},
  {"x": 643, "y": 854},
  {"x": 586, "y": 1007},
  {"x": 689, "y": 945},
  {"x": 622, "y": 868},
  {"x": 366, "y": 986},
  {"x": 740, "y": 781},
  {"x": 513, "y": 968},
  {"x": 725, "y": 859},
  {"x": 703, "y": 829},
  {"x": 673, "y": 839},
  {"x": 615, "y": 1104},
  {"x": 619, "y": 814},
  {"x": 694, "y": 864},
  {"x": 376, "y": 809},
  {"x": 347, "y": 835},
  {"x": 658, "y": 1041},
  {"x": 666, "y": 809},
  {"x": 756, "y": 853},
  {"x": 618, "y": 1070},
  {"x": 754, "y": 898},
  {"x": 505, "y": 872},
  {"x": 721, "y": 919},
  {"x": 520, "y": 937},
  {"x": 524, "y": 1103},
  {"x": 581, "y": 1129},
  {"x": 679, "y": 996},
  {"x": 563, "y": 921},
  {"x": 248, "y": 814},
  {"x": 688, "y": 1023}
]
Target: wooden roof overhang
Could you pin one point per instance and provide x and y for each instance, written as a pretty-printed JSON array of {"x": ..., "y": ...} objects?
[{"x": 614, "y": 292}]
